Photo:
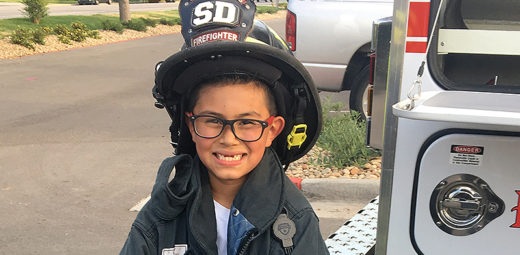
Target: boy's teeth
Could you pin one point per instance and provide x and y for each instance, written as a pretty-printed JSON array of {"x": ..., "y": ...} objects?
[{"x": 222, "y": 157}]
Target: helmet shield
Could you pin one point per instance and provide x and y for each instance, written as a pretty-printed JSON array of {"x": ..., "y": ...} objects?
[{"x": 206, "y": 21}]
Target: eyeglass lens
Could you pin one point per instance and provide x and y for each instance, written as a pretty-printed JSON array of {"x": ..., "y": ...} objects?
[{"x": 244, "y": 129}]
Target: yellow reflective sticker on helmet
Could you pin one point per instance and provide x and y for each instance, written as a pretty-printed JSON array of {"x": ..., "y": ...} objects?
[
  {"x": 297, "y": 136},
  {"x": 282, "y": 41},
  {"x": 253, "y": 40}
]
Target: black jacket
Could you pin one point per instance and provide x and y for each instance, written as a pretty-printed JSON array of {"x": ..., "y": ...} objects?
[{"x": 182, "y": 212}]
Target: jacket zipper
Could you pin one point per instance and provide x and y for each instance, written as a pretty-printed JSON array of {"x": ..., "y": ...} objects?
[{"x": 245, "y": 244}]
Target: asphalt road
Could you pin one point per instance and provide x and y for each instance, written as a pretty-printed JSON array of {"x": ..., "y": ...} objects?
[{"x": 80, "y": 143}]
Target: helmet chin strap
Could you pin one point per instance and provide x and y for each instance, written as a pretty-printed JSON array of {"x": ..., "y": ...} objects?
[{"x": 298, "y": 133}]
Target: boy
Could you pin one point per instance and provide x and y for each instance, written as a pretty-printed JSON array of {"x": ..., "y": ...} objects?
[{"x": 240, "y": 113}]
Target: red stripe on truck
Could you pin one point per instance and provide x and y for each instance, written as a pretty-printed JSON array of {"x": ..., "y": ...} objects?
[
  {"x": 418, "y": 19},
  {"x": 415, "y": 47}
]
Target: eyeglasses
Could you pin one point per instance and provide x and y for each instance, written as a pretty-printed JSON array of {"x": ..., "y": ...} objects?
[{"x": 247, "y": 130}]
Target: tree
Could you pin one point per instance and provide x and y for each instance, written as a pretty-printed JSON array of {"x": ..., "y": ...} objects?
[
  {"x": 35, "y": 10},
  {"x": 124, "y": 10}
]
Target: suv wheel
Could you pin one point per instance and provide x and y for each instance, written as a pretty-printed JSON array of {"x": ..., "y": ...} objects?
[{"x": 358, "y": 100}]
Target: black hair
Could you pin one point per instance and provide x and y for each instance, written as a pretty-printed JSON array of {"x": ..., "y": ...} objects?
[{"x": 232, "y": 79}]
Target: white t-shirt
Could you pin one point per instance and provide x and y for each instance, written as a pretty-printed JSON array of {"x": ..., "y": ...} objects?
[{"x": 222, "y": 217}]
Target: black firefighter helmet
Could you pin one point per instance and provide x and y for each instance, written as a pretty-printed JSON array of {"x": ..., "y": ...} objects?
[{"x": 221, "y": 39}]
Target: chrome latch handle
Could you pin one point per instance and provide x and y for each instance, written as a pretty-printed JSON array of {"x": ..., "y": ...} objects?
[{"x": 462, "y": 204}]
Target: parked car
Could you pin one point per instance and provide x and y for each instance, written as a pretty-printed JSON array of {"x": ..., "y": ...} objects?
[
  {"x": 332, "y": 40},
  {"x": 82, "y": 2}
]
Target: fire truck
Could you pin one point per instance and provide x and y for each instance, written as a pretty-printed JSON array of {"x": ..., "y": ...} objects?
[{"x": 445, "y": 110}]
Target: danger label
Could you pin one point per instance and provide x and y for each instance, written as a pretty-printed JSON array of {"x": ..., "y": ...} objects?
[{"x": 466, "y": 155}]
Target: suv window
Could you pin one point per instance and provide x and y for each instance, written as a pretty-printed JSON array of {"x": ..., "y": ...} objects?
[{"x": 476, "y": 45}]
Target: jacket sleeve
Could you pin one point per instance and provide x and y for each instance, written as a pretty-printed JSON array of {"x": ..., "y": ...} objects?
[
  {"x": 137, "y": 243},
  {"x": 308, "y": 238}
]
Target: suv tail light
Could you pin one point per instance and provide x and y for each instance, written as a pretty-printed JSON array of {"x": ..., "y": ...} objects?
[{"x": 290, "y": 30}]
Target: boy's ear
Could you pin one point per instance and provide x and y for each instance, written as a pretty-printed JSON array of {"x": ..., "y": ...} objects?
[{"x": 274, "y": 129}]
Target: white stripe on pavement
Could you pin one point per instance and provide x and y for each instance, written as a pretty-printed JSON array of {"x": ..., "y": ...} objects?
[{"x": 140, "y": 204}]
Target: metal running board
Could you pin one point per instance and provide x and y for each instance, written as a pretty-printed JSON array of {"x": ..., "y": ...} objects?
[{"x": 358, "y": 235}]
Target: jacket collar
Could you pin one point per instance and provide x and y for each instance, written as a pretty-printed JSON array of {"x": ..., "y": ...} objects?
[
  {"x": 170, "y": 199},
  {"x": 201, "y": 218},
  {"x": 260, "y": 199}
]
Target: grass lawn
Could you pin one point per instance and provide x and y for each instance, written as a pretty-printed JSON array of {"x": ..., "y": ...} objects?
[
  {"x": 151, "y": 15},
  {"x": 93, "y": 22}
]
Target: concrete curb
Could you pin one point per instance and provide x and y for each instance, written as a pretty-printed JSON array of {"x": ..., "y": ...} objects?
[{"x": 361, "y": 190}]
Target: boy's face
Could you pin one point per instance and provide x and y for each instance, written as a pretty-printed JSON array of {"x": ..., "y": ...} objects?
[{"x": 226, "y": 157}]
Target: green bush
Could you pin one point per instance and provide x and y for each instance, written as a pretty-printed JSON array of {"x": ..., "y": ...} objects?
[
  {"x": 47, "y": 30},
  {"x": 79, "y": 26},
  {"x": 170, "y": 22},
  {"x": 343, "y": 138},
  {"x": 94, "y": 34},
  {"x": 78, "y": 36},
  {"x": 61, "y": 29},
  {"x": 39, "y": 36},
  {"x": 35, "y": 10},
  {"x": 63, "y": 33},
  {"x": 27, "y": 37},
  {"x": 135, "y": 24},
  {"x": 79, "y": 32},
  {"x": 64, "y": 39},
  {"x": 22, "y": 36},
  {"x": 267, "y": 9},
  {"x": 282, "y": 6},
  {"x": 113, "y": 26},
  {"x": 149, "y": 22}
]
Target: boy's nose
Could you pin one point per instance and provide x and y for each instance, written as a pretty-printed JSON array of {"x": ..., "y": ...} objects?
[{"x": 227, "y": 136}]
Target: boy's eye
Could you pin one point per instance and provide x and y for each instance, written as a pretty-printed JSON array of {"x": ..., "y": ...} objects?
[
  {"x": 247, "y": 123},
  {"x": 210, "y": 120}
]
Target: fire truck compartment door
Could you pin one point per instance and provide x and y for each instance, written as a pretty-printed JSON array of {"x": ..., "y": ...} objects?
[{"x": 491, "y": 156}]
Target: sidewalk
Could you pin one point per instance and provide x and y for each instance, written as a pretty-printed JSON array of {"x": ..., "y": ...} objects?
[
  {"x": 351, "y": 190},
  {"x": 10, "y": 4},
  {"x": 335, "y": 201}
]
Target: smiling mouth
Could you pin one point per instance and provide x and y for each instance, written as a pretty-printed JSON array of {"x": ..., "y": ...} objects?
[{"x": 228, "y": 158}]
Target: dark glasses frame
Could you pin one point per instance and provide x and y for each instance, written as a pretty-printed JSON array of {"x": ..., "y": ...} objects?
[{"x": 231, "y": 123}]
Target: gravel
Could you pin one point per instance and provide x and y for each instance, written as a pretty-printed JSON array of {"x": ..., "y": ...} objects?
[
  {"x": 52, "y": 44},
  {"x": 305, "y": 168}
]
